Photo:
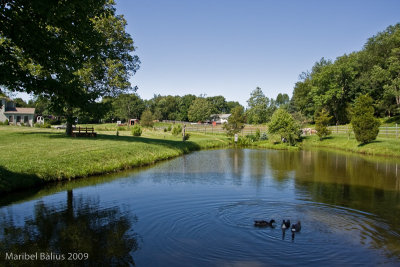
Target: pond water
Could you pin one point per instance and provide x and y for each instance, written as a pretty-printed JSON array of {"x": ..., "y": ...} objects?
[{"x": 199, "y": 210}]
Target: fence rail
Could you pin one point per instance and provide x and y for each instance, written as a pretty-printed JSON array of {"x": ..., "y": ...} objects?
[
  {"x": 384, "y": 131},
  {"x": 214, "y": 129}
]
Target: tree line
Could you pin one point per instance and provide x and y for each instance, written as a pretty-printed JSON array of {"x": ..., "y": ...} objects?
[
  {"x": 180, "y": 108},
  {"x": 334, "y": 85}
]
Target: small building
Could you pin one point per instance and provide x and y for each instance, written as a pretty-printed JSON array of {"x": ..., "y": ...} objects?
[
  {"x": 220, "y": 118},
  {"x": 133, "y": 121},
  {"x": 14, "y": 115}
]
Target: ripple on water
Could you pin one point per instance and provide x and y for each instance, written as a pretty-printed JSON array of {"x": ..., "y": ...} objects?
[
  {"x": 208, "y": 231},
  {"x": 326, "y": 230}
]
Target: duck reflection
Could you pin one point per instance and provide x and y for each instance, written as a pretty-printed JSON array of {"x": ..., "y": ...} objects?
[{"x": 79, "y": 226}]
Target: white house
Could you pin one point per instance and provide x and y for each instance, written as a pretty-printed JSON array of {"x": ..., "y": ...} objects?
[
  {"x": 15, "y": 115},
  {"x": 220, "y": 118}
]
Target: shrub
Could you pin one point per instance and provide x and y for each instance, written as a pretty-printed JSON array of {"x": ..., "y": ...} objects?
[
  {"x": 137, "y": 130},
  {"x": 169, "y": 128},
  {"x": 258, "y": 134},
  {"x": 243, "y": 141},
  {"x": 322, "y": 120},
  {"x": 6, "y": 122},
  {"x": 165, "y": 130},
  {"x": 146, "y": 119},
  {"x": 365, "y": 125},
  {"x": 252, "y": 137},
  {"x": 186, "y": 137},
  {"x": 283, "y": 124},
  {"x": 263, "y": 137},
  {"x": 235, "y": 121},
  {"x": 177, "y": 129}
]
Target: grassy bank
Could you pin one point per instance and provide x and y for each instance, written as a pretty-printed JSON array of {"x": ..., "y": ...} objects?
[
  {"x": 31, "y": 156},
  {"x": 379, "y": 147}
]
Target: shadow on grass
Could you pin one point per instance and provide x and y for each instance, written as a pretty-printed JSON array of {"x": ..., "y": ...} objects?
[
  {"x": 372, "y": 142},
  {"x": 10, "y": 181},
  {"x": 169, "y": 143}
]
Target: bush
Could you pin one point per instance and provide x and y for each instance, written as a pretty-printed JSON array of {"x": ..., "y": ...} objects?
[
  {"x": 165, "y": 130},
  {"x": 283, "y": 124},
  {"x": 243, "y": 141},
  {"x": 169, "y": 128},
  {"x": 187, "y": 136},
  {"x": 146, "y": 119},
  {"x": 6, "y": 122},
  {"x": 177, "y": 129},
  {"x": 263, "y": 137},
  {"x": 137, "y": 130},
  {"x": 258, "y": 134},
  {"x": 252, "y": 137},
  {"x": 365, "y": 125},
  {"x": 322, "y": 120}
]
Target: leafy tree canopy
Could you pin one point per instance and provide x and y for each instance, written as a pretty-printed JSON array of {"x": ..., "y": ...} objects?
[
  {"x": 72, "y": 52},
  {"x": 200, "y": 110},
  {"x": 283, "y": 124}
]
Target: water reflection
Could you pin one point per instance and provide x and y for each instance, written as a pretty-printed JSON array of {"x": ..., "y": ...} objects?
[
  {"x": 198, "y": 210},
  {"x": 344, "y": 180},
  {"x": 79, "y": 226}
]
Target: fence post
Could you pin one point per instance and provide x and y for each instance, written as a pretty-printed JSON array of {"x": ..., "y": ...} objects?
[
  {"x": 397, "y": 133},
  {"x": 386, "y": 131}
]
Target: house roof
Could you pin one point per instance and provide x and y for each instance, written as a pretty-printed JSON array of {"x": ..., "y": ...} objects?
[
  {"x": 20, "y": 111},
  {"x": 224, "y": 116}
]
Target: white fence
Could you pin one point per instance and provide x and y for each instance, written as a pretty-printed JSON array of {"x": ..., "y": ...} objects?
[
  {"x": 217, "y": 129},
  {"x": 384, "y": 131}
]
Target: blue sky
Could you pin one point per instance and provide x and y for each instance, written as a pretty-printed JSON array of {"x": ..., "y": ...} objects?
[{"x": 229, "y": 47}]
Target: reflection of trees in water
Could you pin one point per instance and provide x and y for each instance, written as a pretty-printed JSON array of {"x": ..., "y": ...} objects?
[
  {"x": 353, "y": 182},
  {"x": 282, "y": 163},
  {"x": 80, "y": 226}
]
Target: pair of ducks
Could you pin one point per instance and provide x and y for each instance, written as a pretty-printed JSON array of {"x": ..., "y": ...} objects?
[{"x": 285, "y": 225}]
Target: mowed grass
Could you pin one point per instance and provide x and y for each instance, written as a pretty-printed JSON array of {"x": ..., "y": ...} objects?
[
  {"x": 31, "y": 156},
  {"x": 379, "y": 147}
]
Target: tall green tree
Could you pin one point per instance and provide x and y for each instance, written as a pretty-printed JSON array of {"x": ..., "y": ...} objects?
[
  {"x": 147, "y": 118},
  {"x": 218, "y": 104},
  {"x": 200, "y": 110},
  {"x": 128, "y": 106},
  {"x": 235, "y": 121},
  {"x": 282, "y": 99},
  {"x": 322, "y": 120},
  {"x": 365, "y": 125},
  {"x": 71, "y": 52},
  {"x": 184, "y": 104},
  {"x": 283, "y": 124},
  {"x": 260, "y": 107}
]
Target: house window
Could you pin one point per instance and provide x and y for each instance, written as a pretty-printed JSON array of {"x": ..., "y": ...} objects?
[
  {"x": 26, "y": 120},
  {"x": 10, "y": 118},
  {"x": 18, "y": 118}
]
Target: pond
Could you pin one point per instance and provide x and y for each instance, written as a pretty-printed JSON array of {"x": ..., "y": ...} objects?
[{"x": 199, "y": 210}]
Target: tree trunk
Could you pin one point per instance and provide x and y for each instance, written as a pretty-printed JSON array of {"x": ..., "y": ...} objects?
[
  {"x": 70, "y": 121},
  {"x": 70, "y": 204}
]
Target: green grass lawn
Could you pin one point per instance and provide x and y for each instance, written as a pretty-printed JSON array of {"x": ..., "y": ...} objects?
[
  {"x": 380, "y": 147},
  {"x": 30, "y": 156}
]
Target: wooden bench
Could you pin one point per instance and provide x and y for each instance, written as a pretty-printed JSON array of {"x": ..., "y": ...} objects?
[{"x": 84, "y": 132}]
